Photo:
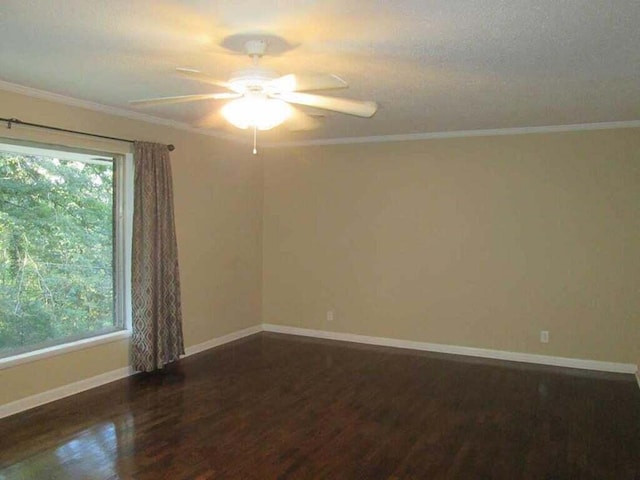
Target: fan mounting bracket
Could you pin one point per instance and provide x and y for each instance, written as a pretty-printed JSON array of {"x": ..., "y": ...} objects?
[
  {"x": 257, "y": 44},
  {"x": 255, "y": 48}
]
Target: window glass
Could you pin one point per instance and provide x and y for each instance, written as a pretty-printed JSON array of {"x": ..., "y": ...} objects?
[{"x": 59, "y": 252}]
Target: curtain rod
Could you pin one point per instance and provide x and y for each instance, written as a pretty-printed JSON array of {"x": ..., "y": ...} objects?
[{"x": 11, "y": 121}]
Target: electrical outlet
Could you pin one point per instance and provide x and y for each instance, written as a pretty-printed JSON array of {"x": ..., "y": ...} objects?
[
  {"x": 544, "y": 336},
  {"x": 329, "y": 315}
]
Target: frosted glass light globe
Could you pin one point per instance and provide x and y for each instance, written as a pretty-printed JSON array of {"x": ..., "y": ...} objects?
[{"x": 256, "y": 111}]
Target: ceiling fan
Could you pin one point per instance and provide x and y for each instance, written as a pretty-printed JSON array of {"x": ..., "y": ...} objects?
[{"x": 261, "y": 99}]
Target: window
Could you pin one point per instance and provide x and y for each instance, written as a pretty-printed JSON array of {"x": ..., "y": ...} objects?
[{"x": 62, "y": 246}]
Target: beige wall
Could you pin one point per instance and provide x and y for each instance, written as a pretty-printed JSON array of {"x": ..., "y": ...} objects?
[
  {"x": 479, "y": 242},
  {"x": 218, "y": 203}
]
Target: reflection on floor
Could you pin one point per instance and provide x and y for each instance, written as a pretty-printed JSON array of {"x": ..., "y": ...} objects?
[
  {"x": 275, "y": 406},
  {"x": 92, "y": 453}
]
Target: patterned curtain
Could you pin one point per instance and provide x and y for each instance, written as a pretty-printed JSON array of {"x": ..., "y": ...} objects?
[{"x": 157, "y": 317}]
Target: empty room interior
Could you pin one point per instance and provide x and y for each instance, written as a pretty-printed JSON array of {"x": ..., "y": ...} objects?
[{"x": 320, "y": 239}]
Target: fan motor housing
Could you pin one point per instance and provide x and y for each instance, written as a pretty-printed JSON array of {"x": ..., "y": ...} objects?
[{"x": 251, "y": 79}]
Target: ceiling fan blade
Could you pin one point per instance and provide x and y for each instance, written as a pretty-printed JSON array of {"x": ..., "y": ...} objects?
[
  {"x": 183, "y": 98},
  {"x": 225, "y": 95},
  {"x": 300, "y": 121},
  {"x": 336, "y": 104},
  {"x": 308, "y": 81},
  {"x": 202, "y": 77}
]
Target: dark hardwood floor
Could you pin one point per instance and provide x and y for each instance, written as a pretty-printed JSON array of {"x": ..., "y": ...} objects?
[{"x": 274, "y": 406}]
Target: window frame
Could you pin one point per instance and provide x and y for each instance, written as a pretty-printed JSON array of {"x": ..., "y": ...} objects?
[{"x": 122, "y": 227}]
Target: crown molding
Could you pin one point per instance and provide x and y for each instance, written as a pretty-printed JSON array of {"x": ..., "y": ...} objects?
[
  {"x": 408, "y": 137},
  {"x": 120, "y": 112}
]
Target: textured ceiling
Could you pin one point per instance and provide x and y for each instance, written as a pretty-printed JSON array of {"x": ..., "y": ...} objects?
[{"x": 432, "y": 65}]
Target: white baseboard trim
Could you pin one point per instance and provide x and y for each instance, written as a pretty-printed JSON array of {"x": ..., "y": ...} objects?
[
  {"x": 63, "y": 391},
  {"x": 108, "y": 377},
  {"x": 214, "y": 342},
  {"x": 457, "y": 350},
  {"x": 88, "y": 383}
]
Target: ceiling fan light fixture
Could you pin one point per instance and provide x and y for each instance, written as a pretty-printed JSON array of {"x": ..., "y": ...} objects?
[
  {"x": 259, "y": 112},
  {"x": 263, "y": 98}
]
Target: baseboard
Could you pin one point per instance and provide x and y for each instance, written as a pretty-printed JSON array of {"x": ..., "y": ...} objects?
[
  {"x": 63, "y": 391},
  {"x": 214, "y": 342},
  {"x": 108, "y": 377},
  {"x": 458, "y": 350}
]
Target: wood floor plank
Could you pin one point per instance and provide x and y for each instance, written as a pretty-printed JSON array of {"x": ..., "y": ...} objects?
[{"x": 276, "y": 406}]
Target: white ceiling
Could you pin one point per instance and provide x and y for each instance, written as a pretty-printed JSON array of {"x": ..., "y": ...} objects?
[{"x": 432, "y": 65}]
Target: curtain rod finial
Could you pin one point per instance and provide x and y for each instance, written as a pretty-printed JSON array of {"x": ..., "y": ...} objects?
[{"x": 171, "y": 148}]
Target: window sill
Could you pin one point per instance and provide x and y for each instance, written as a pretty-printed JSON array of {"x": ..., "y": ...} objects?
[{"x": 64, "y": 348}]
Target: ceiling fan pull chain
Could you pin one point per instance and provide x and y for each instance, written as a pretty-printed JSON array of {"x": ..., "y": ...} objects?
[{"x": 255, "y": 136}]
